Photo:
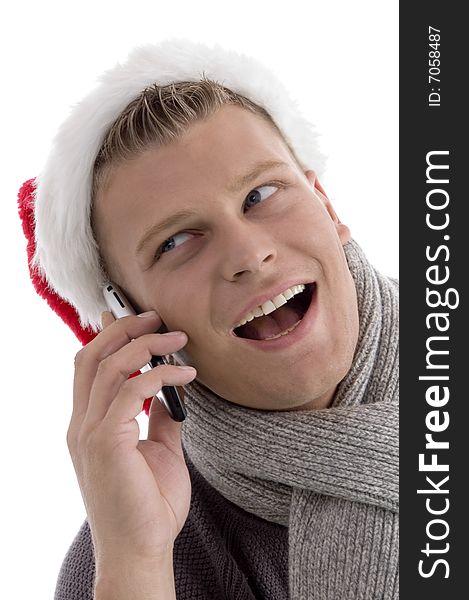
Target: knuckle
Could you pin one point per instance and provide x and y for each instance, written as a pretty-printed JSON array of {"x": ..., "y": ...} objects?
[
  {"x": 158, "y": 377},
  {"x": 100, "y": 445},
  {"x": 143, "y": 344},
  {"x": 72, "y": 441},
  {"x": 106, "y": 366},
  {"x": 93, "y": 441},
  {"x": 70, "y": 438},
  {"x": 80, "y": 357},
  {"x": 128, "y": 387}
]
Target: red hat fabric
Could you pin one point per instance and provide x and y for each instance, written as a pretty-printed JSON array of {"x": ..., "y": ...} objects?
[
  {"x": 66, "y": 312},
  {"x": 26, "y": 198}
]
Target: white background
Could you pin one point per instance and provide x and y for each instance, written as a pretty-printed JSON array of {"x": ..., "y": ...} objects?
[{"x": 339, "y": 59}]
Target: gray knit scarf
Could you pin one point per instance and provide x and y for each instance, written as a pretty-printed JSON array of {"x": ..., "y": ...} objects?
[{"x": 329, "y": 475}]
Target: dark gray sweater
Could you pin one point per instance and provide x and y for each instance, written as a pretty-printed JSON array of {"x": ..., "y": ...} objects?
[{"x": 222, "y": 552}]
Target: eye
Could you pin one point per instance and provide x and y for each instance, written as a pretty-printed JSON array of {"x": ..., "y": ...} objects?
[
  {"x": 255, "y": 196},
  {"x": 172, "y": 242}
]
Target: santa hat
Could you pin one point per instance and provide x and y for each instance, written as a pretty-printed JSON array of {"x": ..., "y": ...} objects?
[{"x": 55, "y": 207}]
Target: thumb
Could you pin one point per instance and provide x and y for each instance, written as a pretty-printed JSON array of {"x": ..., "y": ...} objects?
[{"x": 162, "y": 428}]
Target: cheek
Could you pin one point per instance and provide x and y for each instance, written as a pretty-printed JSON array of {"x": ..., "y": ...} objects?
[
  {"x": 182, "y": 302},
  {"x": 309, "y": 228}
]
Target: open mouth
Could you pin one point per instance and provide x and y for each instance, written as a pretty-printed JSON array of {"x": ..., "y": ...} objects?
[{"x": 281, "y": 321}]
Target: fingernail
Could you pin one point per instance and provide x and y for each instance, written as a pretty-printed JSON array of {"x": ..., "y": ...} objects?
[
  {"x": 174, "y": 333},
  {"x": 150, "y": 313},
  {"x": 186, "y": 368}
]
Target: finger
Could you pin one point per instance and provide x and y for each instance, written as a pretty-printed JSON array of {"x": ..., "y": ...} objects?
[
  {"x": 111, "y": 339},
  {"x": 114, "y": 370},
  {"x": 107, "y": 318},
  {"x": 128, "y": 403}
]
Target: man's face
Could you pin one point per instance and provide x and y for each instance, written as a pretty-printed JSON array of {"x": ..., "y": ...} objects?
[{"x": 240, "y": 243}]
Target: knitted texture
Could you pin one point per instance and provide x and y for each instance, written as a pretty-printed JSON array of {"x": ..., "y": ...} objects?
[
  {"x": 330, "y": 475},
  {"x": 222, "y": 552}
]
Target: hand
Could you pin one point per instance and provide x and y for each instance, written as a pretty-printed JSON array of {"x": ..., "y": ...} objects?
[{"x": 136, "y": 493}]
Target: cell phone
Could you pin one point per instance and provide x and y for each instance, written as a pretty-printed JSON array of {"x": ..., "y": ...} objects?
[{"x": 120, "y": 307}]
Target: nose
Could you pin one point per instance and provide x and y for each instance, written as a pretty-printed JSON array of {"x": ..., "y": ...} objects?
[{"x": 245, "y": 248}]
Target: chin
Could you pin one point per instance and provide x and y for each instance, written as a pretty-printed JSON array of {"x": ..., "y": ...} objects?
[
  {"x": 299, "y": 386},
  {"x": 314, "y": 388},
  {"x": 284, "y": 396}
]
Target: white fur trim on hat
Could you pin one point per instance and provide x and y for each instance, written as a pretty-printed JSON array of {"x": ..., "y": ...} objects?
[{"x": 66, "y": 251}]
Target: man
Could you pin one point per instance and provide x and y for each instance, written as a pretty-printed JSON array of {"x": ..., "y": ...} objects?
[{"x": 199, "y": 199}]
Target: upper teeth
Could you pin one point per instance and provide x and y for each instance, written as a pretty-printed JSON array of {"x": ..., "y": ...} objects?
[{"x": 272, "y": 304}]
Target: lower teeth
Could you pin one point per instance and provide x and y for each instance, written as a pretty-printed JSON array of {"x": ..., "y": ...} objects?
[{"x": 273, "y": 337}]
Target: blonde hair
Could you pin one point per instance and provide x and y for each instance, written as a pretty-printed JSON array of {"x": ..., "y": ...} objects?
[{"x": 161, "y": 114}]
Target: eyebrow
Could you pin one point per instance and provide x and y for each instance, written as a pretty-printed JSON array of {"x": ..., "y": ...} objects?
[{"x": 234, "y": 186}]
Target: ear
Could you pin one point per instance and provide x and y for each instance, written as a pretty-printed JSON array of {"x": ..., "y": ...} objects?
[{"x": 342, "y": 230}]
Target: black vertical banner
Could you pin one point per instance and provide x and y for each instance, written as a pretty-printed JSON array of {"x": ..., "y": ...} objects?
[{"x": 434, "y": 234}]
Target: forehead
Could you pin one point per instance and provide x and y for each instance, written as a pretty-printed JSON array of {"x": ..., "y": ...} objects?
[
  {"x": 186, "y": 173},
  {"x": 211, "y": 151}
]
